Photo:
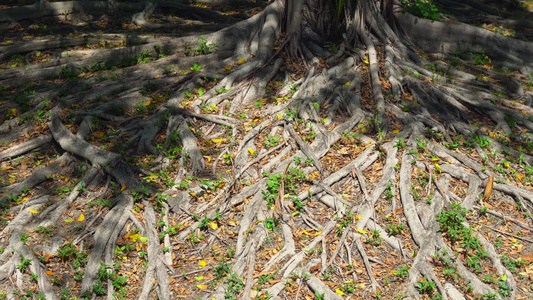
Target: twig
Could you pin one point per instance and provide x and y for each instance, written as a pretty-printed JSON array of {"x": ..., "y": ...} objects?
[{"x": 508, "y": 234}]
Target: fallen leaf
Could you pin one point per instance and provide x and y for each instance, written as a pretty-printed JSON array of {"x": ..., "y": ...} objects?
[
  {"x": 228, "y": 67},
  {"x": 201, "y": 286},
  {"x": 33, "y": 211},
  {"x": 199, "y": 278},
  {"x": 216, "y": 141},
  {"x": 147, "y": 103},
  {"x": 100, "y": 134},
  {"x": 242, "y": 60},
  {"x": 202, "y": 263},
  {"x": 361, "y": 231},
  {"x": 81, "y": 218},
  {"x": 233, "y": 222},
  {"x": 339, "y": 292},
  {"x": 213, "y": 225},
  {"x": 49, "y": 273},
  {"x": 312, "y": 234},
  {"x": 143, "y": 239},
  {"x": 488, "y": 189},
  {"x": 527, "y": 257},
  {"x": 123, "y": 188},
  {"x": 396, "y": 131},
  {"x": 252, "y": 151},
  {"x": 69, "y": 220}
]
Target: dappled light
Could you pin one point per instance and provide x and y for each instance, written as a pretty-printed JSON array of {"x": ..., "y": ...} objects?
[{"x": 233, "y": 149}]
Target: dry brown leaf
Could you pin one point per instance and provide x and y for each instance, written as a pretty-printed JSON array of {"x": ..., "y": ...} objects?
[{"x": 488, "y": 189}]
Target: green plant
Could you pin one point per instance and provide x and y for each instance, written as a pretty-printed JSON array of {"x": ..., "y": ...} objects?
[
  {"x": 67, "y": 251},
  {"x": 222, "y": 269},
  {"x": 480, "y": 58},
  {"x": 297, "y": 203},
  {"x": 235, "y": 285},
  {"x": 273, "y": 185},
  {"x": 504, "y": 289},
  {"x": 272, "y": 141},
  {"x": 196, "y": 67},
  {"x": 395, "y": 229},
  {"x": 426, "y": 287},
  {"x": 68, "y": 72},
  {"x": 374, "y": 238},
  {"x": 24, "y": 238},
  {"x": 421, "y": 8},
  {"x": 403, "y": 272},
  {"x": 24, "y": 263},
  {"x": 272, "y": 224},
  {"x": 203, "y": 47},
  {"x": 64, "y": 294}
]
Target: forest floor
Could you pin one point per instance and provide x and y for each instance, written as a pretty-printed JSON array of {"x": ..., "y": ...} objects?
[{"x": 191, "y": 220}]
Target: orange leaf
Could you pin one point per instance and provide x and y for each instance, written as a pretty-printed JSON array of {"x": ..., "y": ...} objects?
[
  {"x": 49, "y": 273},
  {"x": 488, "y": 189}
]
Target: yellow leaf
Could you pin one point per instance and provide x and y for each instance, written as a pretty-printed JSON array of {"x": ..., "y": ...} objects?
[
  {"x": 69, "y": 221},
  {"x": 213, "y": 225},
  {"x": 361, "y": 231},
  {"x": 147, "y": 103},
  {"x": 347, "y": 83},
  {"x": 208, "y": 158},
  {"x": 133, "y": 237},
  {"x": 202, "y": 263},
  {"x": 339, "y": 292},
  {"x": 123, "y": 187},
  {"x": 14, "y": 111},
  {"x": 507, "y": 165},
  {"x": 23, "y": 199},
  {"x": 228, "y": 170},
  {"x": 251, "y": 150},
  {"x": 81, "y": 218},
  {"x": 358, "y": 217},
  {"x": 437, "y": 167},
  {"x": 199, "y": 278},
  {"x": 396, "y": 131},
  {"x": 228, "y": 67},
  {"x": 99, "y": 134},
  {"x": 313, "y": 234},
  {"x": 435, "y": 159},
  {"x": 33, "y": 211},
  {"x": 519, "y": 176},
  {"x": 492, "y": 134},
  {"x": 241, "y": 61},
  {"x": 216, "y": 141},
  {"x": 201, "y": 286}
]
